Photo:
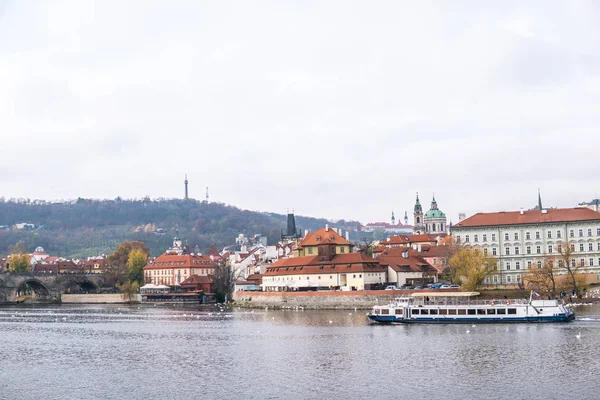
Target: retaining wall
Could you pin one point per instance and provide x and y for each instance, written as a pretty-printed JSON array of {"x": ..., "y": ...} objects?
[{"x": 113, "y": 298}]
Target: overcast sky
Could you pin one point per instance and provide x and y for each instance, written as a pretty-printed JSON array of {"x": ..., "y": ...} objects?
[{"x": 336, "y": 109}]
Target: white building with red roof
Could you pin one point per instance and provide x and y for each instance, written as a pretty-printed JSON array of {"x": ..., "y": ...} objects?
[{"x": 525, "y": 239}]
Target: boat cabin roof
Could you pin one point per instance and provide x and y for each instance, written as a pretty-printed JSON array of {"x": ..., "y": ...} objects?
[{"x": 445, "y": 294}]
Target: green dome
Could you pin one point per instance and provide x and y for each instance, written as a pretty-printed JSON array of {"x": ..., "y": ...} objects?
[{"x": 434, "y": 214}]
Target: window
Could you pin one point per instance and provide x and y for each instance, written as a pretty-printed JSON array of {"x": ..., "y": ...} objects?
[
  {"x": 537, "y": 235},
  {"x": 571, "y": 233},
  {"x": 494, "y": 251},
  {"x": 484, "y": 237},
  {"x": 528, "y": 236},
  {"x": 590, "y": 247},
  {"x": 506, "y": 236},
  {"x": 549, "y": 234},
  {"x": 539, "y": 264},
  {"x": 528, "y": 249},
  {"x": 507, "y": 251},
  {"x": 528, "y": 264},
  {"x": 457, "y": 239},
  {"x": 517, "y": 265},
  {"x": 516, "y": 236},
  {"x": 485, "y": 252},
  {"x": 597, "y": 231},
  {"x": 573, "y": 263},
  {"x": 549, "y": 249},
  {"x": 558, "y": 234},
  {"x": 341, "y": 249},
  {"x": 580, "y": 232},
  {"x": 580, "y": 246},
  {"x": 572, "y": 247},
  {"x": 508, "y": 266},
  {"x": 538, "y": 249},
  {"x": 354, "y": 276},
  {"x": 559, "y": 247},
  {"x": 516, "y": 250},
  {"x": 508, "y": 278},
  {"x": 495, "y": 279},
  {"x": 560, "y": 264},
  {"x": 466, "y": 238},
  {"x": 494, "y": 236},
  {"x": 512, "y": 311},
  {"x": 591, "y": 262},
  {"x": 581, "y": 262},
  {"x": 598, "y": 246},
  {"x": 475, "y": 238},
  {"x": 310, "y": 250},
  {"x": 589, "y": 231}
]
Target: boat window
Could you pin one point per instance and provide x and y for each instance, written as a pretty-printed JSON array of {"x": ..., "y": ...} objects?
[
  {"x": 491, "y": 311},
  {"x": 385, "y": 311},
  {"x": 415, "y": 311},
  {"x": 424, "y": 311},
  {"x": 376, "y": 311},
  {"x": 433, "y": 312},
  {"x": 462, "y": 311},
  {"x": 443, "y": 311},
  {"x": 471, "y": 311},
  {"x": 398, "y": 311},
  {"x": 451, "y": 312},
  {"x": 501, "y": 311},
  {"x": 481, "y": 311},
  {"x": 512, "y": 311}
]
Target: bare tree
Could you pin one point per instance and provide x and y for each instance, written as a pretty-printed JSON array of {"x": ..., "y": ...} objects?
[
  {"x": 543, "y": 279},
  {"x": 567, "y": 260}
]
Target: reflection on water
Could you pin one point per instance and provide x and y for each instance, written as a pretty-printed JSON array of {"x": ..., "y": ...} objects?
[{"x": 146, "y": 352}]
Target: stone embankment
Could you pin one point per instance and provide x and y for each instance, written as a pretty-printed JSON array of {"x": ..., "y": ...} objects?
[{"x": 113, "y": 298}]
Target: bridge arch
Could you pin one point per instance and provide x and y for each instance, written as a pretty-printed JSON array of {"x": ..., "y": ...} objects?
[{"x": 32, "y": 289}]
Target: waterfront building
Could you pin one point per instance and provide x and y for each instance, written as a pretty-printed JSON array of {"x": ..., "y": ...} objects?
[
  {"x": 177, "y": 265},
  {"x": 310, "y": 244},
  {"x": 38, "y": 255},
  {"x": 94, "y": 265},
  {"x": 521, "y": 240},
  {"x": 405, "y": 266}
]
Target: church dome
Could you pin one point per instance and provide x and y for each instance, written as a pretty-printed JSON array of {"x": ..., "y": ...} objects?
[{"x": 434, "y": 214}]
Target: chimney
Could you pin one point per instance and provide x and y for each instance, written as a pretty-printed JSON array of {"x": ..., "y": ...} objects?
[
  {"x": 305, "y": 232},
  {"x": 522, "y": 212},
  {"x": 405, "y": 254},
  {"x": 347, "y": 235},
  {"x": 326, "y": 227},
  {"x": 419, "y": 247}
]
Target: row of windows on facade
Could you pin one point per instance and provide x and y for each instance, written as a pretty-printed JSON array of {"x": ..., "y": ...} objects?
[
  {"x": 310, "y": 249},
  {"x": 528, "y": 235},
  {"x": 538, "y": 249},
  {"x": 170, "y": 272},
  {"x": 550, "y": 262},
  {"x": 291, "y": 278}
]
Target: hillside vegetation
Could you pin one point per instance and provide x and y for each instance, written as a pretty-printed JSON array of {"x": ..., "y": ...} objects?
[{"x": 89, "y": 227}]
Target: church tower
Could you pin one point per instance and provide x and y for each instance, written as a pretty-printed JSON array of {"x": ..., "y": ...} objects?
[
  {"x": 418, "y": 226},
  {"x": 393, "y": 218}
]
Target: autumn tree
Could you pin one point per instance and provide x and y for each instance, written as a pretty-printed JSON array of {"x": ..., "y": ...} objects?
[
  {"x": 223, "y": 280},
  {"x": 128, "y": 289},
  {"x": 366, "y": 246},
  {"x": 543, "y": 279},
  {"x": 117, "y": 269},
  {"x": 471, "y": 267},
  {"x": 19, "y": 260},
  {"x": 135, "y": 265},
  {"x": 566, "y": 259}
]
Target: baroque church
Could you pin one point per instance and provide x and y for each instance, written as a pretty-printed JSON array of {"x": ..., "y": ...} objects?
[{"x": 433, "y": 222}]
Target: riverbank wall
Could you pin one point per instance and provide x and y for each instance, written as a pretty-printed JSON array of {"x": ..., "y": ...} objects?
[
  {"x": 113, "y": 298},
  {"x": 361, "y": 299}
]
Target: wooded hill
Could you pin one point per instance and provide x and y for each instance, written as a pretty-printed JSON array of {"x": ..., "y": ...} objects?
[{"x": 89, "y": 227}]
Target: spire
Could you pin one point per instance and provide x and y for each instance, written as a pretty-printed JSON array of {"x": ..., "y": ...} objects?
[
  {"x": 405, "y": 218},
  {"x": 539, "y": 200},
  {"x": 418, "y": 207},
  {"x": 393, "y": 218},
  {"x": 434, "y": 203}
]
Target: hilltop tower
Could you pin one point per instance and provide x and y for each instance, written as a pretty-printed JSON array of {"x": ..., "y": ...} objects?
[
  {"x": 186, "y": 188},
  {"x": 291, "y": 231},
  {"x": 418, "y": 225}
]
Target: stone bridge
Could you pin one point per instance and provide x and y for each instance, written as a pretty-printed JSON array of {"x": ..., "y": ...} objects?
[{"x": 45, "y": 288}]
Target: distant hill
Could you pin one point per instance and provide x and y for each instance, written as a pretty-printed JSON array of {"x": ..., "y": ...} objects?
[{"x": 89, "y": 227}]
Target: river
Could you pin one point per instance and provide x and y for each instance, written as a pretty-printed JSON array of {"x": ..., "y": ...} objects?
[{"x": 166, "y": 352}]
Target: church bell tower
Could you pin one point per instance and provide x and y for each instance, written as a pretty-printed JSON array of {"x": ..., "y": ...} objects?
[{"x": 418, "y": 225}]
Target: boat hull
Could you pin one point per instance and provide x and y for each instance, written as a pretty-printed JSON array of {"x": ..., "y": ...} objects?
[{"x": 392, "y": 319}]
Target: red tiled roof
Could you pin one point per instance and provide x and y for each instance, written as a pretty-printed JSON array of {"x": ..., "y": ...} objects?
[
  {"x": 530, "y": 217},
  {"x": 213, "y": 251},
  {"x": 341, "y": 263},
  {"x": 196, "y": 279},
  {"x": 180, "y": 261},
  {"x": 322, "y": 236},
  {"x": 412, "y": 263}
]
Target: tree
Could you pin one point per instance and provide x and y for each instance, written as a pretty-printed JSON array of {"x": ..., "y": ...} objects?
[
  {"x": 567, "y": 260},
  {"x": 366, "y": 246},
  {"x": 471, "y": 267},
  {"x": 128, "y": 289},
  {"x": 135, "y": 265},
  {"x": 543, "y": 280},
  {"x": 117, "y": 268},
  {"x": 223, "y": 280},
  {"x": 19, "y": 260}
]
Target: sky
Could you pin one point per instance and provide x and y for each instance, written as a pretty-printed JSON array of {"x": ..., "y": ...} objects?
[{"x": 335, "y": 109}]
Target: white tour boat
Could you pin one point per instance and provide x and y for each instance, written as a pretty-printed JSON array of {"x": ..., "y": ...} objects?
[{"x": 458, "y": 307}]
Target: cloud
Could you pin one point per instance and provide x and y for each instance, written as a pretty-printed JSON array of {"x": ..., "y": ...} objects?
[{"x": 337, "y": 109}]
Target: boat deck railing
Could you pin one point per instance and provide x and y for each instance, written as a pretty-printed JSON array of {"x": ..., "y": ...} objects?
[{"x": 466, "y": 302}]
